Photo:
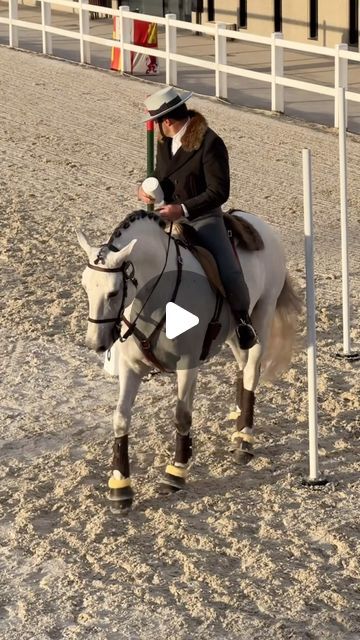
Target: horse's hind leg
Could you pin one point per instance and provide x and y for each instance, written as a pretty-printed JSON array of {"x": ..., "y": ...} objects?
[
  {"x": 175, "y": 473},
  {"x": 249, "y": 364},
  {"x": 121, "y": 493}
]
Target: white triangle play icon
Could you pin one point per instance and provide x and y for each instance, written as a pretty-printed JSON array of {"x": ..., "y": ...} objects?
[{"x": 178, "y": 320}]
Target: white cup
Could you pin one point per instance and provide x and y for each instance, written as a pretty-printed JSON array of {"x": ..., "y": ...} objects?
[{"x": 152, "y": 188}]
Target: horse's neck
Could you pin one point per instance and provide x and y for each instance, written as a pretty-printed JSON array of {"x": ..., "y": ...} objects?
[{"x": 148, "y": 254}]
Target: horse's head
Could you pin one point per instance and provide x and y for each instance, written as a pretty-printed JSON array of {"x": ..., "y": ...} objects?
[{"x": 105, "y": 279}]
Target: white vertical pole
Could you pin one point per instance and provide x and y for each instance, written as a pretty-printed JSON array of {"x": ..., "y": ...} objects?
[
  {"x": 126, "y": 37},
  {"x": 13, "y": 31},
  {"x": 341, "y": 80},
  {"x": 170, "y": 47},
  {"x": 344, "y": 224},
  {"x": 310, "y": 313},
  {"x": 277, "y": 69},
  {"x": 220, "y": 58},
  {"x": 46, "y": 22},
  {"x": 84, "y": 29}
]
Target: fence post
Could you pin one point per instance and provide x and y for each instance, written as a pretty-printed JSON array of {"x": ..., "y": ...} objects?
[
  {"x": 277, "y": 69},
  {"x": 46, "y": 22},
  {"x": 170, "y": 47},
  {"x": 344, "y": 220},
  {"x": 220, "y": 58},
  {"x": 341, "y": 80},
  {"x": 13, "y": 31},
  {"x": 126, "y": 37},
  {"x": 84, "y": 29}
]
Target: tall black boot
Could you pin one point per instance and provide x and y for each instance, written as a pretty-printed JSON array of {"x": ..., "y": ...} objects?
[{"x": 245, "y": 331}]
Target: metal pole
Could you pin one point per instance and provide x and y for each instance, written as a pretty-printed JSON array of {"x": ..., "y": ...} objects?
[
  {"x": 310, "y": 314},
  {"x": 344, "y": 226},
  {"x": 346, "y": 353}
]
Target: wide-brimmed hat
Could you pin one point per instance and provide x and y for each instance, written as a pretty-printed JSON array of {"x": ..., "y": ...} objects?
[{"x": 164, "y": 101}]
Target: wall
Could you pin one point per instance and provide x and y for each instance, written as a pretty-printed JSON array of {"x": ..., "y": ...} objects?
[{"x": 333, "y": 19}]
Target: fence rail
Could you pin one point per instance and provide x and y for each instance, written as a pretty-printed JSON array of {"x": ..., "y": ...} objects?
[{"x": 276, "y": 77}]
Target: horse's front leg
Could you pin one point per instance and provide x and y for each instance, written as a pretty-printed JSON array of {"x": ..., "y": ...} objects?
[
  {"x": 175, "y": 473},
  {"x": 121, "y": 493}
]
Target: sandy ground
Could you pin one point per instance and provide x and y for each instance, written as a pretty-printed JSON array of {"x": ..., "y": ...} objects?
[{"x": 246, "y": 553}]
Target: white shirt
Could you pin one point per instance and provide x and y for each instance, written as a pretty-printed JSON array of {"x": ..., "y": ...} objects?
[{"x": 176, "y": 140}]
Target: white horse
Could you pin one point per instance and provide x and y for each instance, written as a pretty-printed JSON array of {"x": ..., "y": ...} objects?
[{"x": 139, "y": 264}]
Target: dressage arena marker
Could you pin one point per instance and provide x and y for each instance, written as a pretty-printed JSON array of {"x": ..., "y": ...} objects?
[
  {"x": 344, "y": 231},
  {"x": 149, "y": 153},
  {"x": 314, "y": 478}
]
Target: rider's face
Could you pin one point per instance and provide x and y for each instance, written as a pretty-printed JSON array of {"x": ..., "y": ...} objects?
[{"x": 165, "y": 128}]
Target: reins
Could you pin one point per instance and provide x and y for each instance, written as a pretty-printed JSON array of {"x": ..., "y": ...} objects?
[
  {"x": 128, "y": 273},
  {"x": 131, "y": 326}
]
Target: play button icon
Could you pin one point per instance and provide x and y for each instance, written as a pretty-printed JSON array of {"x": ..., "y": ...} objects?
[{"x": 178, "y": 320}]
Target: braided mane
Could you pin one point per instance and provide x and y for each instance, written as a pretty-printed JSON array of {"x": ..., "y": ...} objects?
[{"x": 132, "y": 217}]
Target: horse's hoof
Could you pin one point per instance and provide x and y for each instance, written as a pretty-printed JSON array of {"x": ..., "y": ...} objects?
[
  {"x": 171, "y": 484},
  {"x": 120, "y": 507},
  {"x": 121, "y": 499},
  {"x": 242, "y": 456}
]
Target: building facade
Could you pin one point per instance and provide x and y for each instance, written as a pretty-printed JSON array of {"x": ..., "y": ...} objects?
[{"x": 326, "y": 22}]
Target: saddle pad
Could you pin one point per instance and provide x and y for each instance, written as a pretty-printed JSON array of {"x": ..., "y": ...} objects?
[{"x": 243, "y": 231}]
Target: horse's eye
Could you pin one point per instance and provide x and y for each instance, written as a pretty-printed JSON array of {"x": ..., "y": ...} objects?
[{"x": 112, "y": 294}]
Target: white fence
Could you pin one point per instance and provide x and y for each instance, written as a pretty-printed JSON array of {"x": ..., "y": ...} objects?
[{"x": 220, "y": 33}]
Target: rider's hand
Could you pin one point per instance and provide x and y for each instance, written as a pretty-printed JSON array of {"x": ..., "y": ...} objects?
[
  {"x": 171, "y": 212},
  {"x": 144, "y": 197}
]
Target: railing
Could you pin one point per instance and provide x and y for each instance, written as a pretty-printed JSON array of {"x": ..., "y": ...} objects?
[{"x": 220, "y": 33}]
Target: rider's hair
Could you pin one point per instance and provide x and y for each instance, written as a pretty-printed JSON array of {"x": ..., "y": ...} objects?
[{"x": 180, "y": 113}]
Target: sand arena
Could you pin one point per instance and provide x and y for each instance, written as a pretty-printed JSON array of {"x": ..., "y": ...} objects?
[{"x": 246, "y": 553}]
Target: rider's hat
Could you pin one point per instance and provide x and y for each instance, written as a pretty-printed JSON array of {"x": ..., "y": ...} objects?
[{"x": 163, "y": 101}]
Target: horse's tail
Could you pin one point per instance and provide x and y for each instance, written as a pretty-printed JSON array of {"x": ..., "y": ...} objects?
[{"x": 284, "y": 331}]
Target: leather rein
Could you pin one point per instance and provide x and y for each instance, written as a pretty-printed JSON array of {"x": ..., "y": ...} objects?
[{"x": 127, "y": 270}]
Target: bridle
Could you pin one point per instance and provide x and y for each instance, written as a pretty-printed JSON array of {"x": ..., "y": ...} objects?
[{"x": 127, "y": 270}]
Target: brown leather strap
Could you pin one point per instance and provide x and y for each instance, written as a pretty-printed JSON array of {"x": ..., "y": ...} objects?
[{"x": 146, "y": 344}]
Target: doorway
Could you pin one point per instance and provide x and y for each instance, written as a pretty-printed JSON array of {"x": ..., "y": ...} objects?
[
  {"x": 277, "y": 15},
  {"x": 211, "y": 11}
]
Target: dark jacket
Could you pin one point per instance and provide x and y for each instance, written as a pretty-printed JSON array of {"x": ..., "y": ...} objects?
[{"x": 198, "y": 174}]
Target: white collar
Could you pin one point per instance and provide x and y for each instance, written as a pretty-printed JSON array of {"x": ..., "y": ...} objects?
[{"x": 176, "y": 140}]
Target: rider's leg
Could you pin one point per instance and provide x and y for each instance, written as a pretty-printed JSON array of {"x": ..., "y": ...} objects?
[{"x": 213, "y": 236}]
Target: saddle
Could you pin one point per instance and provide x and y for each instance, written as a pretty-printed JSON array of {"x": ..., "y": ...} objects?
[{"x": 241, "y": 233}]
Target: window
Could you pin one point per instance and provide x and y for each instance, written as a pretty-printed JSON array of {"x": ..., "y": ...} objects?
[
  {"x": 313, "y": 19},
  {"x": 354, "y": 23},
  {"x": 243, "y": 14},
  {"x": 277, "y": 15}
]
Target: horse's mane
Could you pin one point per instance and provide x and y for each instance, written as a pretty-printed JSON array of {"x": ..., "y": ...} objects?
[{"x": 140, "y": 214}]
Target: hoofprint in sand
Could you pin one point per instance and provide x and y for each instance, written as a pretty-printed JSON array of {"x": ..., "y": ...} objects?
[{"x": 246, "y": 552}]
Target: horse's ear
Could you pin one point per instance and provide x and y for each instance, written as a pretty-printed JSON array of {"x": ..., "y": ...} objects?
[
  {"x": 116, "y": 258},
  {"x": 83, "y": 241}
]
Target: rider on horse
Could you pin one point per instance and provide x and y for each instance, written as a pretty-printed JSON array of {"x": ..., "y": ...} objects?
[{"x": 192, "y": 166}]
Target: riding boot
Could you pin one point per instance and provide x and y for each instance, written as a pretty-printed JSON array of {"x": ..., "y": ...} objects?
[{"x": 245, "y": 332}]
